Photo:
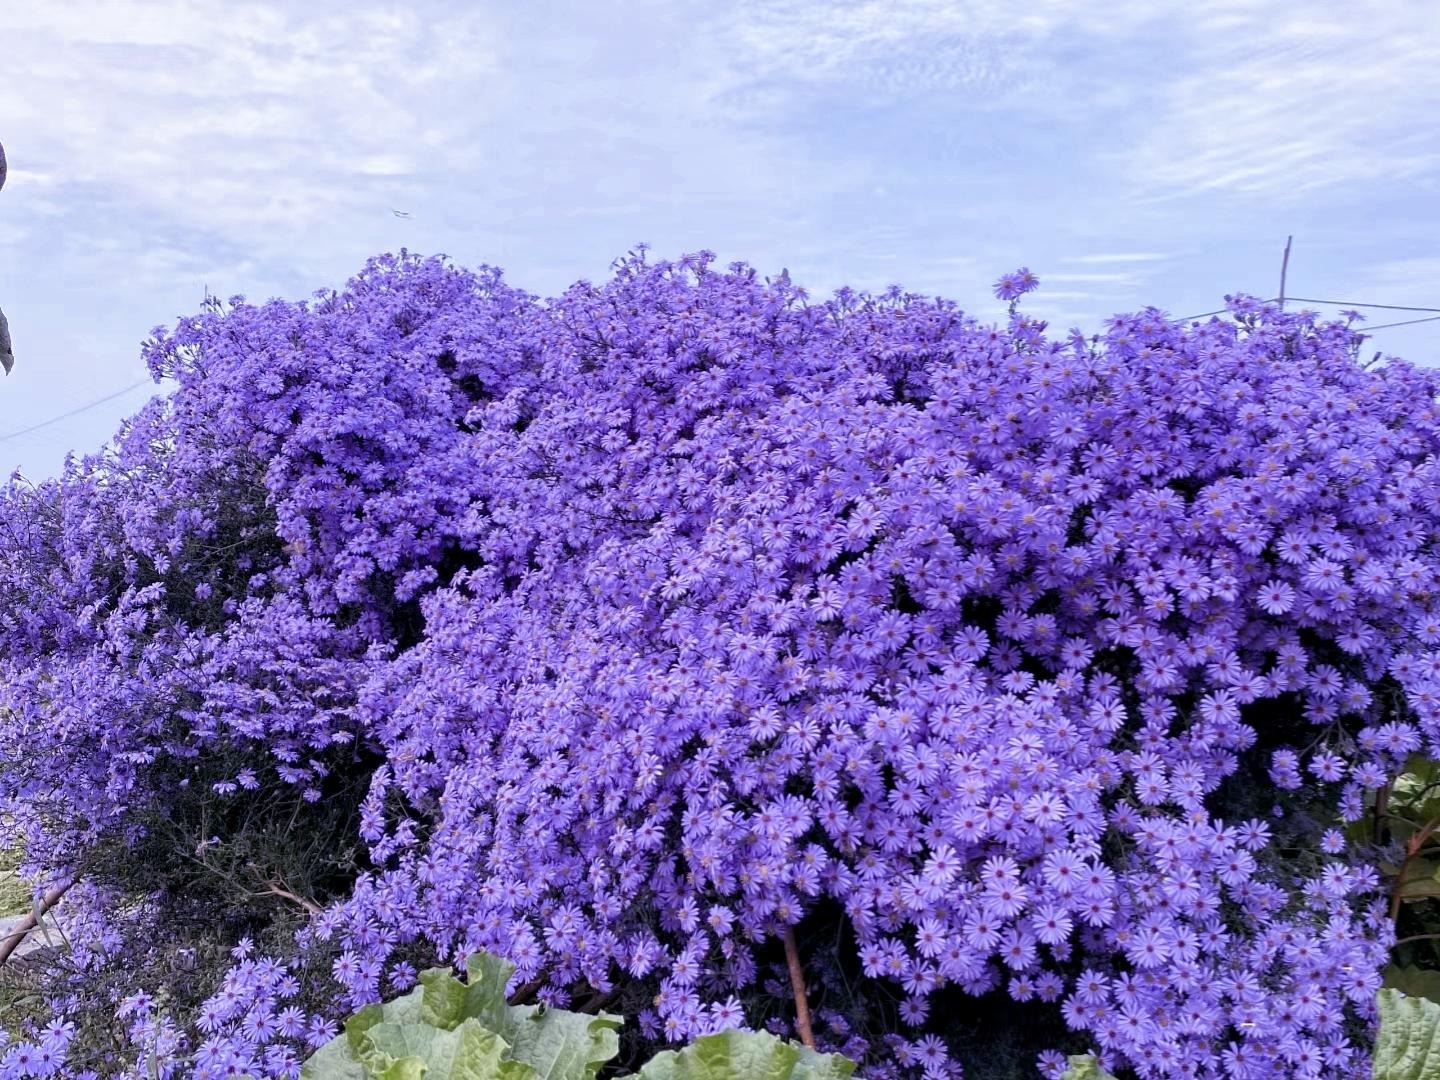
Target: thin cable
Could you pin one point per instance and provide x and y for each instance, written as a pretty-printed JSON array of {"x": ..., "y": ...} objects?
[
  {"x": 1354, "y": 303},
  {"x": 1407, "y": 322},
  {"x": 72, "y": 412},
  {"x": 1223, "y": 310}
]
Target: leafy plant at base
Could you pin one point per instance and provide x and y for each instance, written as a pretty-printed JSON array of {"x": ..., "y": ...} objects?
[
  {"x": 743, "y": 1055},
  {"x": 1400, "y": 831},
  {"x": 1408, "y": 1045},
  {"x": 1084, "y": 1067},
  {"x": 448, "y": 1029}
]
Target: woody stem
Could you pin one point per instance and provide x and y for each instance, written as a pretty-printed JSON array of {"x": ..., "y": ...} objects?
[{"x": 797, "y": 984}]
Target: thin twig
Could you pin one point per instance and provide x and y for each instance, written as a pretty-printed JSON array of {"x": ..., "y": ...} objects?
[
  {"x": 1382, "y": 804},
  {"x": 1417, "y": 937},
  {"x": 12, "y": 940},
  {"x": 1412, "y": 848},
  {"x": 797, "y": 984},
  {"x": 285, "y": 894}
]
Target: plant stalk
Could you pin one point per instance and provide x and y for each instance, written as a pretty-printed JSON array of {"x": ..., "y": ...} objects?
[{"x": 797, "y": 984}]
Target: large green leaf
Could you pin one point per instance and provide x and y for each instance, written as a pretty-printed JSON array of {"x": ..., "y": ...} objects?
[
  {"x": 333, "y": 1061},
  {"x": 745, "y": 1055},
  {"x": 464, "y": 1052},
  {"x": 337, "y": 1060},
  {"x": 487, "y": 976},
  {"x": 1408, "y": 1046},
  {"x": 551, "y": 1044},
  {"x": 562, "y": 1045},
  {"x": 1414, "y": 981},
  {"x": 410, "y": 1068},
  {"x": 1085, "y": 1067},
  {"x": 1422, "y": 880},
  {"x": 1416, "y": 791}
]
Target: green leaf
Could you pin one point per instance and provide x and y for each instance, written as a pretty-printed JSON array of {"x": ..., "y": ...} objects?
[
  {"x": 561, "y": 1045},
  {"x": 1412, "y": 791},
  {"x": 1414, "y": 981},
  {"x": 487, "y": 976},
  {"x": 443, "y": 999},
  {"x": 745, "y": 1055},
  {"x": 1085, "y": 1067},
  {"x": 362, "y": 1022},
  {"x": 410, "y": 1068},
  {"x": 465, "y": 1052},
  {"x": 336, "y": 1060},
  {"x": 535, "y": 1043},
  {"x": 1408, "y": 1046},
  {"x": 1422, "y": 880},
  {"x": 333, "y": 1061}
]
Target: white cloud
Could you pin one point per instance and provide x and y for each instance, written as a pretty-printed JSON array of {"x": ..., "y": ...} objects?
[
  {"x": 1278, "y": 102},
  {"x": 1099, "y": 279},
  {"x": 233, "y": 120},
  {"x": 1105, "y": 260},
  {"x": 1229, "y": 95}
]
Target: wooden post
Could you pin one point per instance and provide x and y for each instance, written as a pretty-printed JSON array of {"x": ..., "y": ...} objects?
[{"x": 1284, "y": 266}]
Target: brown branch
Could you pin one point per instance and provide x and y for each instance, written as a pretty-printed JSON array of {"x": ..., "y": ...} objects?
[
  {"x": 1382, "y": 806},
  {"x": 797, "y": 984},
  {"x": 1417, "y": 937},
  {"x": 599, "y": 1001},
  {"x": 12, "y": 940},
  {"x": 524, "y": 993},
  {"x": 1412, "y": 848},
  {"x": 285, "y": 894}
]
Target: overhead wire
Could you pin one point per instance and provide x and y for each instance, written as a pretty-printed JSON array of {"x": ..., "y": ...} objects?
[
  {"x": 73, "y": 412},
  {"x": 1356, "y": 303},
  {"x": 1346, "y": 303}
]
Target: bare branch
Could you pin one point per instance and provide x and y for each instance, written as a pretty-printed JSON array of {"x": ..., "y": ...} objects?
[
  {"x": 797, "y": 984},
  {"x": 12, "y": 941}
]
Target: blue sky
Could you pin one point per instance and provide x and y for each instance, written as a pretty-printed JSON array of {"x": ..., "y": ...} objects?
[{"x": 1130, "y": 154}]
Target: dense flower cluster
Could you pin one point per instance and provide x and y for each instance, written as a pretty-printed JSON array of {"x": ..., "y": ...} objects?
[{"x": 668, "y": 612}]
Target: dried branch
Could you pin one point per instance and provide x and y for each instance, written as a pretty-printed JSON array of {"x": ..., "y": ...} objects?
[
  {"x": 12, "y": 940},
  {"x": 273, "y": 889},
  {"x": 1412, "y": 849},
  {"x": 797, "y": 984}
]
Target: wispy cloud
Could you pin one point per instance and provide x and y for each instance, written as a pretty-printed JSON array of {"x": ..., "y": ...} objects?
[
  {"x": 1238, "y": 96},
  {"x": 1105, "y": 260},
  {"x": 1283, "y": 102},
  {"x": 1098, "y": 279},
  {"x": 234, "y": 122}
]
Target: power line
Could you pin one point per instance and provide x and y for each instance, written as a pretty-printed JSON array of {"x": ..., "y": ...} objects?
[
  {"x": 1356, "y": 303},
  {"x": 1407, "y": 322},
  {"x": 1350, "y": 303},
  {"x": 73, "y": 412},
  {"x": 1223, "y": 310}
]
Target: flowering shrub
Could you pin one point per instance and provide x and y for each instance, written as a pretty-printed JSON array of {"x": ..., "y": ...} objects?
[{"x": 629, "y": 629}]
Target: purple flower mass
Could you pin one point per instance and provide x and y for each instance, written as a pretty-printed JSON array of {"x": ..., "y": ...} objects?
[{"x": 667, "y": 614}]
